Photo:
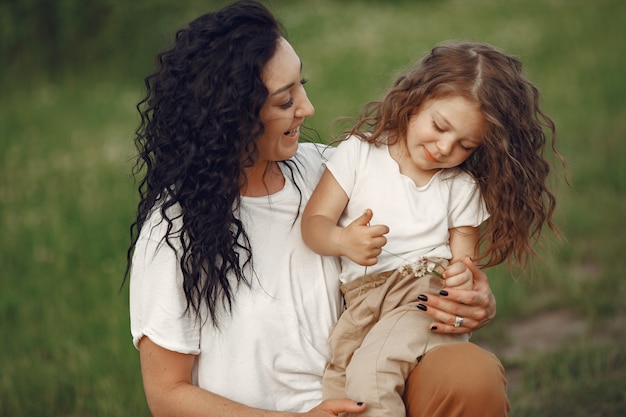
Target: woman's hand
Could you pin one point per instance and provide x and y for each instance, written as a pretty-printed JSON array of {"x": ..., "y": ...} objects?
[
  {"x": 475, "y": 308},
  {"x": 334, "y": 407}
]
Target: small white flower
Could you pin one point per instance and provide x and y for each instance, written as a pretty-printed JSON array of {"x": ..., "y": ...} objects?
[{"x": 421, "y": 267}]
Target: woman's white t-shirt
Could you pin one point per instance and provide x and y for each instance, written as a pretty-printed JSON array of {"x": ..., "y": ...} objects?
[{"x": 272, "y": 350}]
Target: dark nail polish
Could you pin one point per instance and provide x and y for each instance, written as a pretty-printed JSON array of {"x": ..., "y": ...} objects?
[
  {"x": 433, "y": 328},
  {"x": 422, "y": 307},
  {"x": 422, "y": 297},
  {"x": 360, "y": 403},
  {"x": 443, "y": 292}
]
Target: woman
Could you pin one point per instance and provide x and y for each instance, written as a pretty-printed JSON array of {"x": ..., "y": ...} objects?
[{"x": 228, "y": 309}]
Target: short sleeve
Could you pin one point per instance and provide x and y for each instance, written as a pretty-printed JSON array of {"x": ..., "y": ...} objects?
[
  {"x": 157, "y": 301},
  {"x": 467, "y": 207},
  {"x": 344, "y": 163}
]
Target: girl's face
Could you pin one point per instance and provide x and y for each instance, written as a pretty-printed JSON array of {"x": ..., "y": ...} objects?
[
  {"x": 444, "y": 132},
  {"x": 286, "y": 107}
]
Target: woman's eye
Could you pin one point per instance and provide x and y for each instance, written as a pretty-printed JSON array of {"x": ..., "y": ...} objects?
[{"x": 287, "y": 104}]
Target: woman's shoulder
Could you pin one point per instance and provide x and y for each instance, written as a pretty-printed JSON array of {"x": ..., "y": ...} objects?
[
  {"x": 314, "y": 151},
  {"x": 312, "y": 155},
  {"x": 155, "y": 227},
  {"x": 308, "y": 163}
]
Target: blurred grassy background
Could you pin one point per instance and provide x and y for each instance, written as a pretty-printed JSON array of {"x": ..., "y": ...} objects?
[{"x": 71, "y": 75}]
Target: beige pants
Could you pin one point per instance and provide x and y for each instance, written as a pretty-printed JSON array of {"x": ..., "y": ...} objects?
[{"x": 378, "y": 339}]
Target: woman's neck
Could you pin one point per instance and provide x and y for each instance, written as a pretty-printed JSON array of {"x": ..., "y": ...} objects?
[{"x": 263, "y": 179}]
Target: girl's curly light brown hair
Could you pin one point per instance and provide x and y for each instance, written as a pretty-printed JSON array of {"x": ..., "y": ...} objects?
[{"x": 509, "y": 166}]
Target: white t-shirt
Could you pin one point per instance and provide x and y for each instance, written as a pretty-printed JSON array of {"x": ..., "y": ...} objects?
[
  {"x": 272, "y": 351},
  {"x": 418, "y": 217}
]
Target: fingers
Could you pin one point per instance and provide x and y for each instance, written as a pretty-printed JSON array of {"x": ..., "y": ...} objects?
[
  {"x": 463, "y": 303},
  {"x": 441, "y": 327},
  {"x": 458, "y": 275},
  {"x": 334, "y": 407},
  {"x": 484, "y": 295},
  {"x": 363, "y": 243},
  {"x": 444, "y": 321},
  {"x": 364, "y": 219},
  {"x": 445, "y": 309},
  {"x": 371, "y": 258},
  {"x": 478, "y": 274}
]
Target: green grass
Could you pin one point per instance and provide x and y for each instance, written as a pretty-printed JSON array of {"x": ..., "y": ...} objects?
[
  {"x": 65, "y": 194},
  {"x": 67, "y": 199}
]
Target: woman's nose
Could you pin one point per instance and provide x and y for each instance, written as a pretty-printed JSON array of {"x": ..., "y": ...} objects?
[{"x": 305, "y": 107}]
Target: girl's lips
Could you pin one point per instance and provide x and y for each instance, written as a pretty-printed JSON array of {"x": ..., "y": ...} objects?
[{"x": 429, "y": 156}]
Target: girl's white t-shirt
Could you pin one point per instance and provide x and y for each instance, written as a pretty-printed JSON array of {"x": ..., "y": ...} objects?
[
  {"x": 418, "y": 217},
  {"x": 271, "y": 351}
]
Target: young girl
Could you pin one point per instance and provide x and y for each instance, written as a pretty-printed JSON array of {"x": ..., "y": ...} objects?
[{"x": 455, "y": 141}]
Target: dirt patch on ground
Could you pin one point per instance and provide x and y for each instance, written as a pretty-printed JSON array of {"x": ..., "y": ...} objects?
[
  {"x": 547, "y": 332},
  {"x": 544, "y": 332}
]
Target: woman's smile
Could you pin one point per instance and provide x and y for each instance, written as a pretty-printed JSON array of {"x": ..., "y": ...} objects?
[{"x": 294, "y": 133}]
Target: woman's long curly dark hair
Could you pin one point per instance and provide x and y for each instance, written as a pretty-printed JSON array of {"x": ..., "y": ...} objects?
[
  {"x": 509, "y": 165},
  {"x": 198, "y": 131}
]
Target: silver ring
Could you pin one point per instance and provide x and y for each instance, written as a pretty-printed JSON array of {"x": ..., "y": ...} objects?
[{"x": 458, "y": 321}]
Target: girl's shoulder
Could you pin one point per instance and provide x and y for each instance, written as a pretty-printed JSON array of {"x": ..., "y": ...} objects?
[{"x": 357, "y": 145}]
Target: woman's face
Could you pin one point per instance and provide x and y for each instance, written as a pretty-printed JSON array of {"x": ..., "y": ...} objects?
[{"x": 286, "y": 107}]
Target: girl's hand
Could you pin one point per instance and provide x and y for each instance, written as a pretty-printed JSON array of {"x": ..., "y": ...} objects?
[
  {"x": 334, "y": 407},
  {"x": 361, "y": 242},
  {"x": 476, "y": 307},
  {"x": 457, "y": 275}
]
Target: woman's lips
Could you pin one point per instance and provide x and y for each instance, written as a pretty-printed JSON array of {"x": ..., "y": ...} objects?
[{"x": 293, "y": 132}]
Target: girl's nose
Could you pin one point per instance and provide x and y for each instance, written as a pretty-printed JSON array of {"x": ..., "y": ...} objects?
[{"x": 444, "y": 146}]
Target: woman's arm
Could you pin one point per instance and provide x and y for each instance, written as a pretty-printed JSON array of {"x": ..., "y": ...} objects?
[
  {"x": 358, "y": 241},
  {"x": 477, "y": 307},
  {"x": 169, "y": 391}
]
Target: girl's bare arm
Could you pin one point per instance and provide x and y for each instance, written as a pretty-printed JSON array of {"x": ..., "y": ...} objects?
[{"x": 358, "y": 241}]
